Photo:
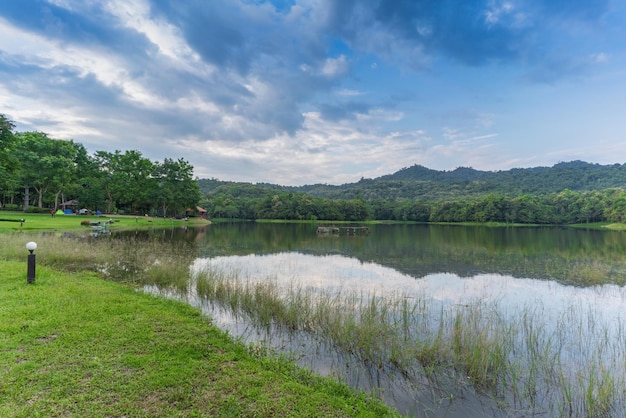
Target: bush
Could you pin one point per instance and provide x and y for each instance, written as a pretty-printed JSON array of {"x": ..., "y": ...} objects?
[
  {"x": 12, "y": 207},
  {"x": 35, "y": 209}
]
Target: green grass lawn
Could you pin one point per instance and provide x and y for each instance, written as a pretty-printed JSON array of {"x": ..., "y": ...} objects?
[
  {"x": 72, "y": 344},
  {"x": 11, "y": 221}
]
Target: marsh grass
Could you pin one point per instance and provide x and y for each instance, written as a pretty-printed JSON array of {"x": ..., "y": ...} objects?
[
  {"x": 131, "y": 260},
  {"x": 571, "y": 368}
]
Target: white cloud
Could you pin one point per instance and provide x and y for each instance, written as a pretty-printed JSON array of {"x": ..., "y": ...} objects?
[
  {"x": 322, "y": 151},
  {"x": 48, "y": 54},
  {"x": 60, "y": 122},
  {"x": 349, "y": 92},
  {"x": 600, "y": 58},
  {"x": 334, "y": 67},
  {"x": 136, "y": 15},
  {"x": 494, "y": 14}
]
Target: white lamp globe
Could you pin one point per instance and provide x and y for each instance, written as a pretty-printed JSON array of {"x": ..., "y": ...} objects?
[{"x": 31, "y": 246}]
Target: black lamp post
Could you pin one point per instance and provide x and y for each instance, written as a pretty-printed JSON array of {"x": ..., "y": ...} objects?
[{"x": 31, "y": 246}]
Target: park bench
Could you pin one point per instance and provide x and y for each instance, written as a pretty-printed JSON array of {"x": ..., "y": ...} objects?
[{"x": 21, "y": 221}]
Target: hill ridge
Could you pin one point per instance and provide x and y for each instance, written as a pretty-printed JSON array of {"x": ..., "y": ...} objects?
[{"x": 419, "y": 182}]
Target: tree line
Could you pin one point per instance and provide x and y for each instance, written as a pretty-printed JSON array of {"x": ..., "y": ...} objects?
[
  {"x": 38, "y": 172},
  {"x": 248, "y": 201}
]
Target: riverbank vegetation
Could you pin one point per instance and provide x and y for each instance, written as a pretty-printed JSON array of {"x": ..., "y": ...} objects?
[
  {"x": 76, "y": 345},
  {"x": 525, "y": 365}
]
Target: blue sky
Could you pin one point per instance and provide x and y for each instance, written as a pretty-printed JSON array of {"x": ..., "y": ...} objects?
[{"x": 298, "y": 92}]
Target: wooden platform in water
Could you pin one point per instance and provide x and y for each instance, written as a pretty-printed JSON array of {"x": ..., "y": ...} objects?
[{"x": 349, "y": 230}]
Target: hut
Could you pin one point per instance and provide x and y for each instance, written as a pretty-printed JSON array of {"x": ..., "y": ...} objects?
[
  {"x": 72, "y": 203},
  {"x": 198, "y": 211}
]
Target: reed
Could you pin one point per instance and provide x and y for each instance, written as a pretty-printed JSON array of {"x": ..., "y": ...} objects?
[{"x": 515, "y": 358}]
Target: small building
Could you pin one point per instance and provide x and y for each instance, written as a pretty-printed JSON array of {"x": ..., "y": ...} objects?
[
  {"x": 71, "y": 203},
  {"x": 198, "y": 211}
]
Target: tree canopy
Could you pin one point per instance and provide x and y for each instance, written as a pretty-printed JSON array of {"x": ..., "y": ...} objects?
[
  {"x": 575, "y": 192},
  {"x": 42, "y": 172}
]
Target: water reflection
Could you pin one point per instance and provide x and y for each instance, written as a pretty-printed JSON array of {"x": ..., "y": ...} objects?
[
  {"x": 415, "y": 395},
  {"x": 570, "y": 256},
  {"x": 513, "y": 296},
  {"x": 505, "y": 270}
]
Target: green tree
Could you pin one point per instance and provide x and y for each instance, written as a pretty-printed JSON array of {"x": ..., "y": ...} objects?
[
  {"x": 90, "y": 184},
  {"x": 175, "y": 187},
  {"x": 46, "y": 164},
  {"x": 129, "y": 177},
  {"x": 8, "y": 162}
]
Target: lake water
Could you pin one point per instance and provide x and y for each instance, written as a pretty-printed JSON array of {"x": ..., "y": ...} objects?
[{"x": 566, "y": 283}]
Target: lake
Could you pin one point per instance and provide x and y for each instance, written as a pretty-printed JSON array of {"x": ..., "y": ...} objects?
[{"x": 437, "y": 320}]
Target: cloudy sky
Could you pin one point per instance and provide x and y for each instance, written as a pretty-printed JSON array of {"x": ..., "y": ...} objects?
[{"x": 297, "y": 92}]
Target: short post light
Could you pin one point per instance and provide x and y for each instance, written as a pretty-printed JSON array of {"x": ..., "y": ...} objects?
[{"x": 31, "y": 247}]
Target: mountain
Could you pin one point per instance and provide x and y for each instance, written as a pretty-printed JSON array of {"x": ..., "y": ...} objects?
[{"x": 419, "y": 182}]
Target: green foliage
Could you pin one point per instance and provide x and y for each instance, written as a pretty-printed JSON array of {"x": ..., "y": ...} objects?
[
  {"x": 568, "y": 193},
  {"x": 43, "y": 172},
  {"x": 246, "y": 201},
  {"x": 74, "y": 345},
  {"x": 8, "y": 162},
  {"x": 175, "y": 188}
]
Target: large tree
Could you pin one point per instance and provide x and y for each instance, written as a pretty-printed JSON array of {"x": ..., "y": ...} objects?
[
  {"x": 89, "y": 183},
  {"x": 175, "y": 189},
  {"x": 46, "y": 164},
  {"x": 129, "y": 179},
  {"x": 8, "y": 162}
]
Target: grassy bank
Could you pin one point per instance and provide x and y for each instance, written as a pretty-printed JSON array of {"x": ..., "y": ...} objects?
[
  {"x": 12, "y": 221},
  {"x": 75, "y": 345}
]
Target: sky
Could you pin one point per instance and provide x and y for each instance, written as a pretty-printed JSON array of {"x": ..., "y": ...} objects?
[{"x": 296, "y": 92}]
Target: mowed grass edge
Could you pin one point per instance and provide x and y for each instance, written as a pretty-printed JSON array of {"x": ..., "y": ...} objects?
[
  {"x": 72, "y": 344},
  {"x": 11, "y": 222}
]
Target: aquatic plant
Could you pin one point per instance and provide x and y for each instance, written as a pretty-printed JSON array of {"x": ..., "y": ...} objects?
[{"x": 515, "y": 358}]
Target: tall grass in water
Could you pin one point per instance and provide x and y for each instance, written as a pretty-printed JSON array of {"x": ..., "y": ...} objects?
[{"x": 569, "y": 368}]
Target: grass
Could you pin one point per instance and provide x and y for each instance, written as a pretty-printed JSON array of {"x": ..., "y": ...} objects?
[
  {"x": 75, "y": 345},
  {"x": 571, "y": 368},
  {"x": 10, "y": 222}
]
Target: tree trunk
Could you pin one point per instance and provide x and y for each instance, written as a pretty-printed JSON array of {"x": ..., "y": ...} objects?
[
  {"x": 109, "y": 200},
  {"x": 40, "y": 192},
  {"x": 56, "y": 200},
  {"x": 26, "y": 197}
]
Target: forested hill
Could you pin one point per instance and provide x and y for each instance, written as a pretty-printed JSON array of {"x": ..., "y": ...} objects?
[{"x": 431, "y": 185}]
